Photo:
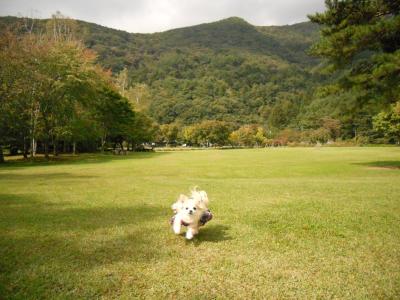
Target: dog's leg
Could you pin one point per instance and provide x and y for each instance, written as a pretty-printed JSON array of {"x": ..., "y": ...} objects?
[
  {"x": 189, "y": 233},
  {"x": 195, "y": 230},
  {"x": 177, "y": 225}
]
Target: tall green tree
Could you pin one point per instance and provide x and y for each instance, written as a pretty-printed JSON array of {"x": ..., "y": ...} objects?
[
  {"x": 144, "y": 130},
  {"x": 114, "y": 116},
  {"x": 362, "y": 39}
]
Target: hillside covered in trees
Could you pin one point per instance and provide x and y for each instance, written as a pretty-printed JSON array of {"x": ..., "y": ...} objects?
[
  {"x": 235, "y": 80},
  {"x": 227, "y": 70}
]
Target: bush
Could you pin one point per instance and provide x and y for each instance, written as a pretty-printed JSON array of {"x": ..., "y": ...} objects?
[
  {"x": 320, "y": 135},
  {"x": 248, "y": 136}
]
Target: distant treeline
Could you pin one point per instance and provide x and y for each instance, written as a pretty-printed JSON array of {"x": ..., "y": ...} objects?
[{"x": 220, "y": 133}]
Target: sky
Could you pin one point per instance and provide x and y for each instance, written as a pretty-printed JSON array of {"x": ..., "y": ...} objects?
[{"x": 146, "y": 16}]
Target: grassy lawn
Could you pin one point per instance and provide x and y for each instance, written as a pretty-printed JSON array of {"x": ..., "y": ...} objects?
[{"x": 288, "y": 223}]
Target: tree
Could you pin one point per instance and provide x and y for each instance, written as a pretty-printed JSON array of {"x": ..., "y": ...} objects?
[
  {"x": 320, "y": 135},
  {"x": 81, "y": 129},
  {"x": 282, "y": 113},
  {"x": 211, "y": 132},
  {"x": 114, "y": 116},
  {"x": 144, "y": 129},
  {"x": 168, "y": 133},
  {"x": 388, "y": 123},
  {"x": 18, "y": 106},
  {"x": 44, "y": 74},
  {"x": 287, "y": 136},
  {"x": 362, "y": 38},
  {"x": 122, "y": 81},
  {"x": 249, "y": 136},
  {"x": 65, "y": 68},
  {"x": 333, "y": 126},
  {"x": 139, "y": 94},
  {"x": 187, "y": 135}
]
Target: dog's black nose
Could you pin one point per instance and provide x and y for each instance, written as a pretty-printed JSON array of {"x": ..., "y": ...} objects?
[{"x": 190, "y": 211}]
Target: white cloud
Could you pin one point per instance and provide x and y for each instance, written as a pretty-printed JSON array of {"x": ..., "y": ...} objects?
[{"x": 158, "y": 15}]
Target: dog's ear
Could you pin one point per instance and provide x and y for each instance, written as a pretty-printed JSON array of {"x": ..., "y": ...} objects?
[
  {"x": 182, "y": 198},
  {"x": 179, "y": 203}
]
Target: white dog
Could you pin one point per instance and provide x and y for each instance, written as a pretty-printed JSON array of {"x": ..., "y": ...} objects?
[{"x": 191, "y": 212}]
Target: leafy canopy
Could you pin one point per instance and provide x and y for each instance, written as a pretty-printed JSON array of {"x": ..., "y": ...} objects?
[{"x": 362, "y": 37}]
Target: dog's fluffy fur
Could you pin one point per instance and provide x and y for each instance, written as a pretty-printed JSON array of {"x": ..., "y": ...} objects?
[{"x": 188, "y": 211}]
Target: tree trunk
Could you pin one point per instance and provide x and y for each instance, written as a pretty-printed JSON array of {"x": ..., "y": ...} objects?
[
  {"x": 34, "y": 117},
  {"x": 1, "y": 155},
  {"x": 64, "y": 147},
  {"x": 25, "y": 149},
  {"x": 55, "y": 152},
  {"x": 103, "y": 142},
  {"x": 46, "y": 149},
  {"x": 33, "y": 147},
  {"x": 32, "y": 141},
  {"x": 73, "y": 147}
]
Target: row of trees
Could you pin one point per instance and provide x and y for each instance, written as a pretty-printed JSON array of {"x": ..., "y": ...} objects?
[
  {"x": 220, "y": 133},
  {"x": 53, "y": 94}
]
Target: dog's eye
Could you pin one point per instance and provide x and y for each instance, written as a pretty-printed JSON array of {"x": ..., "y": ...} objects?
[
  {"x": 187, "y": 208},
  {"x": 194, "y": 208}
]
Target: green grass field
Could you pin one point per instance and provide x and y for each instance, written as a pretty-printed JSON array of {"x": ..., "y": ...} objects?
[{"x": 288, "y": 223}]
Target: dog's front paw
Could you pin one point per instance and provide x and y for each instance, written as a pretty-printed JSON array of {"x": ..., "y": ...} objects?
[
  {"x": 189, "y": 234},
  {"x": 177, "y": 230}
]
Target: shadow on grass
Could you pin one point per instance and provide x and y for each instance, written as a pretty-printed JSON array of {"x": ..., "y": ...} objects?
[
  {"x": 389, "y": 164},
  {"x": 77, "y": 159},
  {"x": 212, "y": 233},
  {"x": 27, "y": 212},
  {"x": 59, "y": 236}
]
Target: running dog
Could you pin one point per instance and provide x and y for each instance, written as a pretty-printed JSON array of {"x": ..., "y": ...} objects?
[{"x": 191, "y": 212}]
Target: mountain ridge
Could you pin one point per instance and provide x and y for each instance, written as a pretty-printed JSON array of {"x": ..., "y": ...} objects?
[
  {"x": 227, "y": 70},
  {"x": 228, "y": 19},
  {"x": 229, "y": 33}
]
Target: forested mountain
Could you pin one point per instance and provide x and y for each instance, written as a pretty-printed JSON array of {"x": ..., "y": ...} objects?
[{"x": 227, "y": 70}]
